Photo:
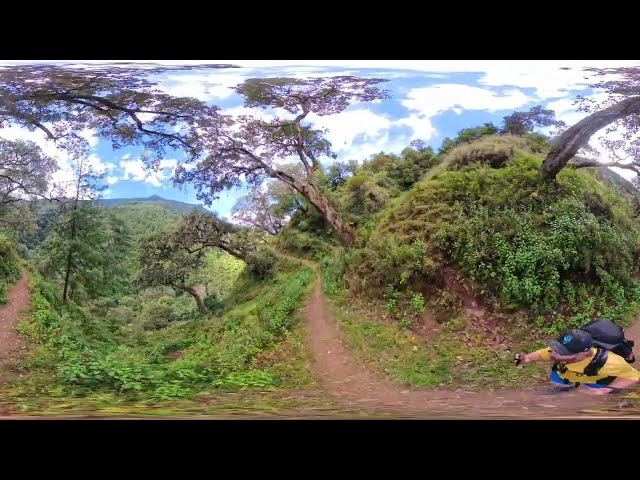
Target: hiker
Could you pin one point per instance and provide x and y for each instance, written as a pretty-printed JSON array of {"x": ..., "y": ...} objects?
[{"x": 576, "y": 360}]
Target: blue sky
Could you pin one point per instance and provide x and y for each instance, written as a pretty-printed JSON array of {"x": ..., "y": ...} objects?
[{"x": 430, "y": 100}]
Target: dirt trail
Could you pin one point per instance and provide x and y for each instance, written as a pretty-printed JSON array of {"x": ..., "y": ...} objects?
[
  {"x": 10, "y": 313},
  {"x": 343, "y": 376}
]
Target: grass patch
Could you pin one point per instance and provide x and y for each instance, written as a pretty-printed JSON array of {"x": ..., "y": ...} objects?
[{"x": 457, "y": 356}]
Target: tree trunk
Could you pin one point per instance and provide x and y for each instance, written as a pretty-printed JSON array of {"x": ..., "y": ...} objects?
[
  {"x": 66, "y": 277},
  {"x": 579, "y": 134},
  {"x": 345, "y": 232},
  {"x": 73, "y": 235},
  {"x": 202, "y": 308},
  {"x": 308, "y": 190}
]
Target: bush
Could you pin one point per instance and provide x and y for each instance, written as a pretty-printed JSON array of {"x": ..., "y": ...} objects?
[
  {"x": 161, "y": 313},
  {"x": 493, "y": 150},
  {"x": 261, "y": 263},
  {"x": 532, "y": 244},
  {"x": 9, "y": 267},
  {"x": 213, "y": 304}
]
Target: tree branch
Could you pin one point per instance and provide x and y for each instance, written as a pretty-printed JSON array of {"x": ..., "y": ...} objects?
[
  {"x": 33, "y": 122},
  {"x": 587, "y": 163},
  {"x": 80, "y": 99},
  {"x": 577, "y": 136}
]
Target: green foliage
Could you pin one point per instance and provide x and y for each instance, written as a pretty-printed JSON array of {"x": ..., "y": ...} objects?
[
  {"x": 417, "y": 302},
  {"x": 81, "y": 354},
  {"x": 370, "y": 187},
  {"x": 534, "y": 245},
  {"x": 213, "y": 304},
  {"x": 261, "y": 263},
  {"x": 494, "y": 150},
  {"x": 468, "y": 135},
  {"x": 145, "y": 218},
  {"x": 306, "y": 235},
  {"x": 447, "y": 358},
  {"x": 9, "y": 266},
  {"x": 387, "y": 263},
  {"x": 220, "y": 272},
  {"x": 161, "y": 313},
  {"x": 92, "y": 244},
  {"x": 528, "y": 266}
]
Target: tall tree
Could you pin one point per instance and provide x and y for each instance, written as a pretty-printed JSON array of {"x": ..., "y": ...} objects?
[
  {"x": 620, "y": 109},
  {"x": 164, "y": 262},
  {"x": 25, "y": 174},
  {"x": 118, "y": 103},
  {"x": 173, "y": 256},
  {"x": 25, "y": 171},
  {"x": 249, "y": 148},
  {"x": 520, "y": 123},
  {"x": 200, "y": 230},
  {"x": 84, "y": 246}
]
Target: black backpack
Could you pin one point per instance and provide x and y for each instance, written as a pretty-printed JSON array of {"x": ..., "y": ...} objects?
[{"x": 608, "y": 337}]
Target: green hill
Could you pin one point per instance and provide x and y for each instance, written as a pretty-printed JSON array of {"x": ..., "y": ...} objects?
[{"x": 173, "y": 205}]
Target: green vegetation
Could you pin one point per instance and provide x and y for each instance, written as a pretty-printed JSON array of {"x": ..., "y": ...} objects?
[
  {"x": 541, "y": 258},
  {"x": 251, "y": 345},
  {"x": 544, "y": 248},
  {"x": 9, "y": 267}
]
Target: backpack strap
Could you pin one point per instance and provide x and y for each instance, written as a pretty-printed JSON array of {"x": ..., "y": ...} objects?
[{"x": 598, "y": 361}]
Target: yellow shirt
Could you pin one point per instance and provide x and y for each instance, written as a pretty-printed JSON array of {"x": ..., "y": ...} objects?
[{"x": 615, "y": 366}]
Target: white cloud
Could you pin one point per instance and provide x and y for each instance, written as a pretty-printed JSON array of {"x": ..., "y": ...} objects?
[
  {"x": 427, "y": 102},
  {"x": 381, "y": 144},
  {"x": 430, "y": 101},
  {"x": 96, "y": 163},
  {"x": 111, "y": 180},
  {"x": 420, "y": 125},
  {"x": 135, "y": 170},
  {"x": 345, "y": 127},
  {"x": 214, "y": 86},
  {"x": 566, "y": 111},
  {"x": 547, "y": 77},
  {"x": 90, "y": 136}
]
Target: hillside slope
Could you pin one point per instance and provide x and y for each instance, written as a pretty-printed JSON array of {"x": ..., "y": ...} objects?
[
  {"x": 172, "y": 205},
  {"x": 479, "y": 259}
]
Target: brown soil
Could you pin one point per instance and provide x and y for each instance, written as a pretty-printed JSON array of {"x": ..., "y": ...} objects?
[{"x": 10, "y": 313}]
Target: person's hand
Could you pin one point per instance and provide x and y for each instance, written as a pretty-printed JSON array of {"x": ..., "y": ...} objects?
[{"x": 518, "y": 358}]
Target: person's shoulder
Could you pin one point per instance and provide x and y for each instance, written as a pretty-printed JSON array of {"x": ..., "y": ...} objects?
[
  {"x": 616, "y": 363},
  {"x": 615, "y": 358}
]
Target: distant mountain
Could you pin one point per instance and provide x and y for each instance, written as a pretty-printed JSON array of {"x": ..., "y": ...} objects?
[
  {"x": 143, "y": 216},
  {"x": 173, "y": 205}
]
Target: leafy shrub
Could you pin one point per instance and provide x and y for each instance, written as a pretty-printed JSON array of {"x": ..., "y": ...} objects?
[
  {"x": 493, "y": 150},
  {"x": 85, "y": 358},
  {"x": 261, "y": 264},
  {"x": 569, "y": 247}
]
